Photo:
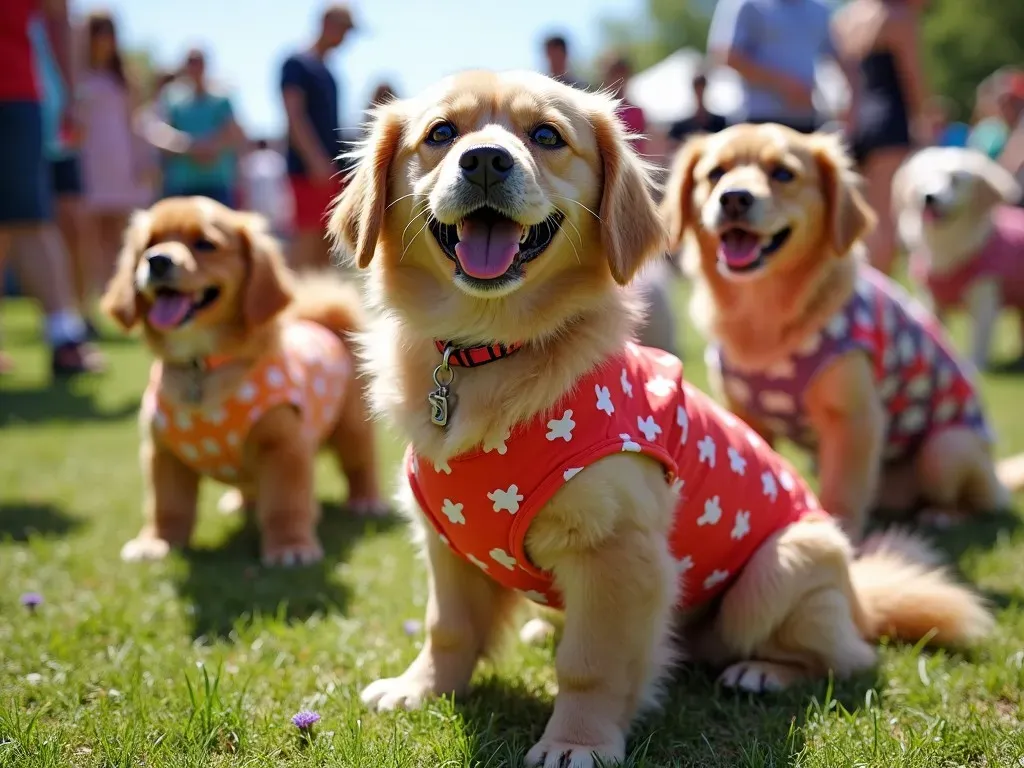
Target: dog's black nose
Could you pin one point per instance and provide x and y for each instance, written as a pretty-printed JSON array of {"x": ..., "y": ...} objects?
[
  {"x": 160, "y": 264},
  {"x": 487, "y": 164},
  {"x": 930, "y": 199},
  {"x": 735, "y": 202}
]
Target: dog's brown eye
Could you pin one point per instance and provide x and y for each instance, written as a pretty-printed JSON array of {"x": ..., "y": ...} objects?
[
  {"x": 715, "y": 174},
  {"x": 782, "y": 174},
  {"x": 440, "y": 134},
  {"x": 546, "y": 136},
  {"x": 202, "y": 244}
]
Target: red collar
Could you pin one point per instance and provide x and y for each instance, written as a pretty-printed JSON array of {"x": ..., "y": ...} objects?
[{"x": 472, "y": 357}]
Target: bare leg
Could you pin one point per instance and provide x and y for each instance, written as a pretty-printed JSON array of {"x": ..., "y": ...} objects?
[{"x": 878, "y": 171}]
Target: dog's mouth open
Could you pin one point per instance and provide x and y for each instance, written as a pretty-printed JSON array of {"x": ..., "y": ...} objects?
[
  {"x": 490, "y": 249},
  {"x": 741, "y": 251},
  {"x": 172, "y": 309}
]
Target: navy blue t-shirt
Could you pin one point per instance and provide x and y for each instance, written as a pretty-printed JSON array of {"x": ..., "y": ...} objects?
[{"x": 308, "y": 73}]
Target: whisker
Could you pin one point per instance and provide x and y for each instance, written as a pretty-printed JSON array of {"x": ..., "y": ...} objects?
[
  {"x": 581, "y": 205},
  {"x": 418, "y": 233},
  {"x": 410, "y": 223},
  {"x": 571, "y": 244},
  {"x": 403, "y": 197},
  {"x": 566, "y": 219}
]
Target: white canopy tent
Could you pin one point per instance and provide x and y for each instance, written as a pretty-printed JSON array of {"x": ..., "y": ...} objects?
[{"x": 665, "y": 93}]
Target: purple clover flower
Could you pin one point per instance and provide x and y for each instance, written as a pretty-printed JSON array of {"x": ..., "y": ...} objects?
[
  {"x": 31, "y": 600},
  {"x": 305, "y": 719},
  {"x": 412, "y": 627}
]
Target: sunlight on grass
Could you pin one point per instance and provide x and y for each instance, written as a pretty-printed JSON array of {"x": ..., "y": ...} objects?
[{"x": 203, "y": 659}]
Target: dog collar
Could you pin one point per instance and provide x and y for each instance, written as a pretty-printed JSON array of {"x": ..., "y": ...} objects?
[{"x": 473, "y": 357}]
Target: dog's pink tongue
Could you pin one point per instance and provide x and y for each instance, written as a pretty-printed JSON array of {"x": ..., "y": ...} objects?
[
  {"x": 487, "y": 249},
  {"x": 169, "y": 310},
  {"x": 739, "y": 248}
]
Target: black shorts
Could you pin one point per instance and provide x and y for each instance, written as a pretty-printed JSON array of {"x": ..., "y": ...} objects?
[
  {"x": 26, "y": 195},
  {"x": 66, "y": 175}
]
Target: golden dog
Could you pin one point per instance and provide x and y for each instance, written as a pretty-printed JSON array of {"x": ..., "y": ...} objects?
[
  {"x": 814, "y": 345},
  {"x": 499, "y": 215},
  {"x": 252, "y": 375}
]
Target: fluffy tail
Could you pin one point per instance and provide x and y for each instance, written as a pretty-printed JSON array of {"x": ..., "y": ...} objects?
[
  {"x": 904, "y": 593},
  {"x": 1010, "y": 472},
  {"x": 327, "y": 299}
]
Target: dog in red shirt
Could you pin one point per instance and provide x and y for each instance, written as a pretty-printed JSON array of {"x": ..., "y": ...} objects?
[{"x": 501, "y": 218}]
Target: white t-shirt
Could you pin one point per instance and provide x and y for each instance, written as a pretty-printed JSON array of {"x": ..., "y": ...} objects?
[{"x": 265, "y": 175}]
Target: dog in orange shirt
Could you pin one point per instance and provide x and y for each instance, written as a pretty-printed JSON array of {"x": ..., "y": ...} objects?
[{"x": 253, "y": 374}]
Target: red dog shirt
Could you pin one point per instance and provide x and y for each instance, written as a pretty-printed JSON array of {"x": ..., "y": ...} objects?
[
  {"x": 308, "y": 373},
  {"x": 734, "y": 491}
]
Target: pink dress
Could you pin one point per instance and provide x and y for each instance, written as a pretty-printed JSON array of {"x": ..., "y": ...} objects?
[{"x": 110, "y": 155}]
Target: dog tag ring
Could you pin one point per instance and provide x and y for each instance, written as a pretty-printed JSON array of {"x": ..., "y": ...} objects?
[{"x": 440, "y": 398}]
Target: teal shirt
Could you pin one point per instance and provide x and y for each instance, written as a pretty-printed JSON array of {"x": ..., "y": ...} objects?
[
  {"x": 201, "y": 117},
  {"x": 52, "y": 91},
  {"x": 989, "y": 136}
]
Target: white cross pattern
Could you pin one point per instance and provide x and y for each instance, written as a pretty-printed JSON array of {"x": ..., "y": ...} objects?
[
  {"x": 247, "y": 392},
  {"x": 160, "y": 420},
  {"x": 920, "y": 387},
  {"x": 227, "y": 471},
  {"x": 604, "y": 399},
  {"x": 712, "y": 512},
  {"x": 786, "y": 480},
  {"x": 780, "y": 369},
  {"x": 683, "y": 420},
  {"x": 684, "y": 565},
  {"x": 507, "y": 500},
  {"x": 907, "y": 349},
  {"x": 535, "y": 596},
  {"x": 499, "y": 446},
  {"x": 190, "y": 451},
  {"x": 275, "y": 376},
  {"x": 738, "y": 389},
  {"x": 741, "y": 525},
  {"x": 210, "y": 446},
  {"x": 627, "y": 386},
  {"x": 736, "y": 461},
  {"x": 319, "y": 386},
  {"x": 659, "y": 386},
  {"x": 217, "y": 416},
  {"x": 838, "y": 325},
  {"x": 913, "y": 418},
  {"x": 945, "y": 410},
  {"x": 478, "y": 563},
  {"x": 715, "y": 578},
  {"x": 232, "y": 439},
  {"x": 183, "y": 421},
  {"x": 570, "y": 473},
  {"x": 453, "y": 512},
  {"x": 768, "y": 485},
  {"x": 810, "y": 345},
  {"x": 502, "y": 557},
  {"x": 677, "y": 487},
  {"x": 442, "y": 468},
  {"x": 628, "y": 444},
  {"x": 706, "y": 447},
  {"x": 561, "y": 428},
  {"x": 649, "y": 427},
  {"x": 414, "y": 464},
  {"x": 777, "y": 401}
]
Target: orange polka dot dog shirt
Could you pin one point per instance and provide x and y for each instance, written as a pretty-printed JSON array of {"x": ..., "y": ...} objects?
[
  {"x": 734, "y": 491},
  {"x": 309, "y": 372}
]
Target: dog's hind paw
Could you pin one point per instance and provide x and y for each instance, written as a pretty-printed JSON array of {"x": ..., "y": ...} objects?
[
  {"x": 563, "y": 754},
  {"x": 290, "y": 555},
  {"x": 231, "y": 502},
  {"x": 758, "y": 676},
  {"x": 369, "y": 507},
  {"x": 145, "y": 548}
]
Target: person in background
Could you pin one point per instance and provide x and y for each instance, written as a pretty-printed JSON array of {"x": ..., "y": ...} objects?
[
  {"x": 111, "y": 163},
  {"x": 702, "y": 120},
  {"x": 991, "y": 133},
  {"x": 946, "y": 132},
  {"x": 616, "y": 73},
  {"x": 382, "y": 94},
  {"x": 1012, "y": 156},
  {"x": 150, "y": 120},
  {"x": 199, "y": 135},
  {"x": 556, "y": 51},
  {"x": 774, "y": 46},
  {"x": 311, "y": 101},
  {"x": 882, "y": 37},
  {"x": 265, "y": 185},
  {"x": 26, "y": 194}
]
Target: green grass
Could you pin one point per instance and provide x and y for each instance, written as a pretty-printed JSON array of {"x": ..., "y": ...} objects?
[{"x": 202, "y": 659}]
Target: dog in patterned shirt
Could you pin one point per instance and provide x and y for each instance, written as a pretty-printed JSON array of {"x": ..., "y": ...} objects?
[
  {"x": 810, "y": 343},
  {"x": 252, "y": 375},
  {"x": 501, "y": 218}
]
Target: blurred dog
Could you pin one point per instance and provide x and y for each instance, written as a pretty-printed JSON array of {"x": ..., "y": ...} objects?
[
  {"x": 253, "y": 374},
  {"x": 553, "y": 460},
  {"x": 811, "y": 343},
  {"x": 966, "y": 239}
]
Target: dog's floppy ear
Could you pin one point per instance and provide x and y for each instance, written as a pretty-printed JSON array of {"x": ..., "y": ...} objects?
[
  {"x": 677, "y": 204},
  {"x": 121, "y": 301},
  {"x": 631, "y": 231},
  {"x": 358, "y": 213},
  {"x": 848, "y": 215},
  {"x": 268, "y": 286},
  {"x": 995, "y": 183}
]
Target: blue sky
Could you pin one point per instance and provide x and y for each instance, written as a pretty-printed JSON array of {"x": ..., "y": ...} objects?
[{"x": 409, "y": 43}]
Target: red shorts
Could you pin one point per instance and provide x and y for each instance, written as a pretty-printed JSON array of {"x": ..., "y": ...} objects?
[{"x": 312, "y": 200}]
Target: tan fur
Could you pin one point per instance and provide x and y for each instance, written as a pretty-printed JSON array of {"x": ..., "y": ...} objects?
[
  {"x": 258, "y": 294},
  {"x": 762, "y": 318},
  {"x": 604, "y": 536}
]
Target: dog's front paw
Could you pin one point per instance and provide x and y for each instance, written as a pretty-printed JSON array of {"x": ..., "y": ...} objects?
[
  {"x": 369, "y": 506},
  {"x": 755, "y": 676},
  {"x": 289, "y": 555},
  {"x": 537, "y": 632},
  {"x": 405, "y": 692},
  {"x": 145, "y": 548},
  {"x": 555, "y": 753},
  {"x": 231, "y": 502}
]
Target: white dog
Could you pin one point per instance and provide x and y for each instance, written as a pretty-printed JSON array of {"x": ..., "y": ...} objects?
[{"x": 966, "y": 240}]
